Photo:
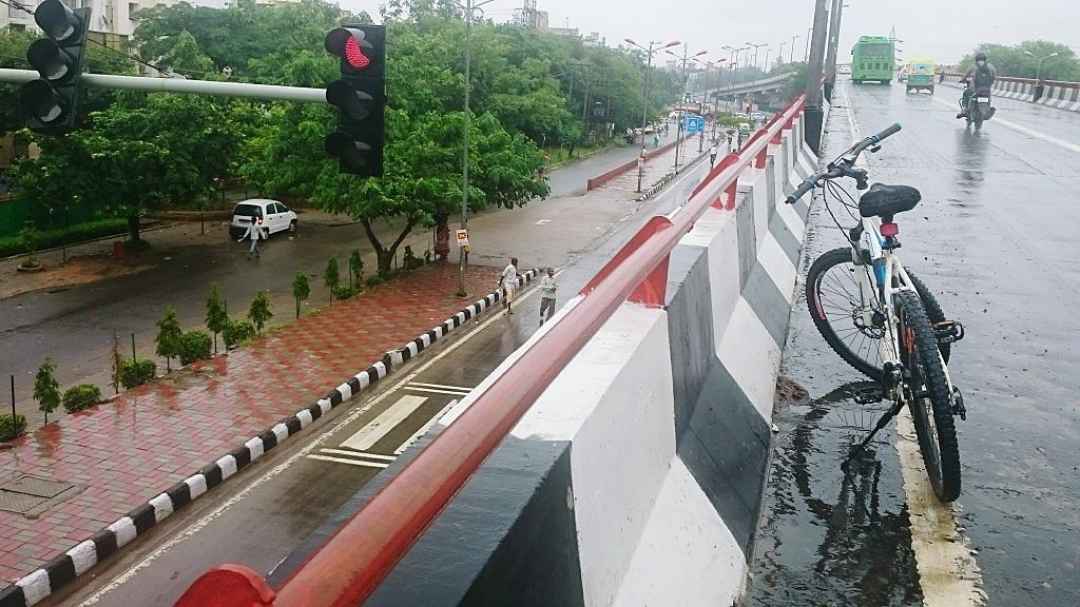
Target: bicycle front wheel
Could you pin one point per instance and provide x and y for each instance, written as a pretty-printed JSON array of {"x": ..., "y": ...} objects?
[
  {"x": 929, "y": 396},
  {"x": 832, "y": 296}
]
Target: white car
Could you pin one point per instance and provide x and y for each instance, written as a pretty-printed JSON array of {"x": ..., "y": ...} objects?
[{"x": 276, "y": 217}]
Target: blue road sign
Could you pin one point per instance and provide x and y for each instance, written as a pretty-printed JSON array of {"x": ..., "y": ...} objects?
[{"x": 694, "y": 124}]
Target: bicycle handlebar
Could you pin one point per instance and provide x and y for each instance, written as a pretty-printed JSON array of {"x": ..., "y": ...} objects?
[{"x": 842, "y": 166}]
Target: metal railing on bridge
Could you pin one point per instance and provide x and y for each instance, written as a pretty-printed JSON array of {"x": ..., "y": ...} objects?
[{"x": 352, "y": 563}]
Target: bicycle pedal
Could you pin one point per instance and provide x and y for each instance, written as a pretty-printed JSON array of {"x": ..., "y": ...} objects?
[
  {"x": 958, "y": 407},
  {"x": 949, "y": 331}
]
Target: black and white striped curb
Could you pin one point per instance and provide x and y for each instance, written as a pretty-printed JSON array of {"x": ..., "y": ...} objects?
[{"x": 63, "y": 569}]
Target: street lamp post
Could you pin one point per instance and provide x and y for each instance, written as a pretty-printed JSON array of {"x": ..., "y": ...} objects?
[
  {"x": 1038, "y": 72},
  {"x": 653, "y": 47},
  {"x": 780, "y": 55},
  {"x": 793, "y": 39},
  {"x": 755, "y": 47},
  {"x": 686, "y": 57},
  {"x": 469, "y": 7}
]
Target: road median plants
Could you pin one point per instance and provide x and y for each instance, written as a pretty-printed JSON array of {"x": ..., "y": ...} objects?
[
  {"x": 11, "y": 426},
  {"x": 81, "y": 397},
  {"x": 136, "y": 372}
]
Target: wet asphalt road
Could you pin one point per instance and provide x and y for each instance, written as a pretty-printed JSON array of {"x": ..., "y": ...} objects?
[
  {"x": 275, "y": 505},
  {"x": 994, "y": 239}
]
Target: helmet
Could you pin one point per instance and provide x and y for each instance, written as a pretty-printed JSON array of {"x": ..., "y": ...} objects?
[{"x": 980, "y": 56}]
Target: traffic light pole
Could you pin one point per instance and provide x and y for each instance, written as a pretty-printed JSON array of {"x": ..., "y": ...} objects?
[{"x": 181, "y": 85}]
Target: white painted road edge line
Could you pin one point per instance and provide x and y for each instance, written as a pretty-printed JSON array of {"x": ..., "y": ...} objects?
[
  {"x": 948, "y": 573},
  {"x": 1072, "y": 147},
  {"x": 315, "y": 443}
]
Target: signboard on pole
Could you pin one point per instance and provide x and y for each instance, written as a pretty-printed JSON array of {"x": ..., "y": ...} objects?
[
  {"x": 463, "y": 238},
  {"x": 694, "y": 124}
]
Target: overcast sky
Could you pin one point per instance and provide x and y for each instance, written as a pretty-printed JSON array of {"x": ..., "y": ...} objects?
[{"x": 942, "y": 29}]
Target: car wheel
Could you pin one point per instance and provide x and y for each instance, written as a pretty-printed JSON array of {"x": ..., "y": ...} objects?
[{"x": 292, "y": 228}]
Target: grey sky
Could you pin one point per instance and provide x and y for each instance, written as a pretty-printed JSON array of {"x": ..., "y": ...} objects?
[{"x": 942, "y": 29}]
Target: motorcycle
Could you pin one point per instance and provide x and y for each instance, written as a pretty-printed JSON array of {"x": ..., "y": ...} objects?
[{"x": 975, "y": 106}]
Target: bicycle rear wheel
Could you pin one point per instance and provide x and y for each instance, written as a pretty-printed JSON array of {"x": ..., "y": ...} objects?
[
  {"x": 929, "y": 396},
  {"x": 832, "y": 296}
]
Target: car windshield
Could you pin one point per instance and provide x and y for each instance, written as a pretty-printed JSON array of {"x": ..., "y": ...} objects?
[{"x": 247, "y": 210}]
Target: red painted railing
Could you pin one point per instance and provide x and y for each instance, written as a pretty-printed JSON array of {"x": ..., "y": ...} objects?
[{"x": 348, "y": 568}]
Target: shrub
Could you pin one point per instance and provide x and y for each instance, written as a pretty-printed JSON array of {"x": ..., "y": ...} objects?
[
  {"x": 13, "y": 245},
  {"x": 30, "y": 240},
  {"x": 216, "y": 315},
  {"x": 259, "y": 313},
  {"x": 194, "y": 345},
  {"x": 301, "y": 290},
  {"x": 345, "y": 292},
  {"x": 409, "y": 260},
  {"x": 82, "y": 397},
  {"x": 356, "y": 268},
  {"x": 11, "y": 427},
  {"x": 237, "y": 332},
  {"x": 168, "y": 337},
  {"x": 136, "y": 372},
  {"x": 331, "y": 277},
  {"x": 374, "y": 281},
  {"x": 46, "y": 388}
]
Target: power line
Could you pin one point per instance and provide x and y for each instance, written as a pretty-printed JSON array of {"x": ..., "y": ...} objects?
[{"x": 18, "y": 5}]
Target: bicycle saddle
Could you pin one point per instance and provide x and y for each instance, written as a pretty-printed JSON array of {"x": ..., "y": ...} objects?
[{"x": 886, "y": 200}]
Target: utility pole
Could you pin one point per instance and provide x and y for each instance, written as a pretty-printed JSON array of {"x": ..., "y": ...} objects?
[
  {"x": 834, "y": 43},
  {"x": 814, "y": 110},
  {"x": 793, "y": 39},
  {"x": 462, "y": 254},
  {"x": 686, "y": 57},
  {"x": 653, "y": 47}
]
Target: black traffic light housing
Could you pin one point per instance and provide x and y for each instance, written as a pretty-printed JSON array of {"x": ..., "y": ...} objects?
[
  {"x": 50, "y": 104},
  {"x": 360, "y": 97}
]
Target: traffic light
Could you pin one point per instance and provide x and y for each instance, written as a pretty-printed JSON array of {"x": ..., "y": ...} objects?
[
  {"x": 360, "y": 97},
  {"x": 50, "y": 104}
]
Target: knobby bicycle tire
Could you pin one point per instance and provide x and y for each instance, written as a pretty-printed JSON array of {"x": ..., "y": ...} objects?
[
  {"x": 817, "y": 308},
  {"x": 929, "y": 396}
]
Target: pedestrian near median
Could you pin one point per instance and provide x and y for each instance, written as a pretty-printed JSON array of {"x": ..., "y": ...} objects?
[
  {"x": 254, "y": 233},
  {"x": 548, "y": 289},
  {"x": 508, "y": 283}
]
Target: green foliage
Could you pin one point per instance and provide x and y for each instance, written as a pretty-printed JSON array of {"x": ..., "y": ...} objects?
[
  {"x": 259, "y": 313},
  {"x": 137, "y": 372},
  {"x": 11, "y": 427},
  {"x": 376, "y": 280},
  {"x": 1021, "y": 61},
  {"x": 301, "y": 290},
  {"x": 29, "y": 240},
  {"x": 237, "y": 332},
  {"x": 194, "y": 345},
  {"x": 345, "y": 292},
  {"x": 331, "y": 277},
  {"x": 216, "y": 317},
  {"x": 81, "y": 397},
  {"x": 46, "y": 388},
  {"x": 53, "y": 238},
  {"x": 410, "y": 261},
  {"x": 169, "y": 334},
  {"x": 356, "y": 267}
]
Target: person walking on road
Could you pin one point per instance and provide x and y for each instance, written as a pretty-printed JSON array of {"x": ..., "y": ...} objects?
[
  {"x": 508, "y": 281},
  {"x": 254, "y": 233},
  {"x": 712, "y": 155},
  {"x": 548, "y": 288}
]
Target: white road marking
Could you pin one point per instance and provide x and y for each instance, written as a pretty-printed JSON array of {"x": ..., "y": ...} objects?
[
  {"x": 351, "y": 462},
  {"x": 370, "y": 434},
  {"x": 1072, "y": 147},
  {"x": 316, "y": 442},
  {"x": 948, "y": 573},
  {"x": 423, "y": 429},
  {"x": 443, "y": 386},
  {"x": 543, "y": 221},
  {"x": 363, "y": 454},
  {"x": 434, "y": 391}
]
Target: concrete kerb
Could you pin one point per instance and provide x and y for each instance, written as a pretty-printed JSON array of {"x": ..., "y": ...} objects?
[
  {"x": 62, "y": 570},
  {"x": 636, "y": 478}
]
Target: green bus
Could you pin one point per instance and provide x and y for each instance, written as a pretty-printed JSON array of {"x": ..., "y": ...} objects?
[{"x": 873, "y": 58}]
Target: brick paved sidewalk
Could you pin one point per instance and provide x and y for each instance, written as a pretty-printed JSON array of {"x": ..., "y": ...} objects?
[{"x": 124, "y": 453}]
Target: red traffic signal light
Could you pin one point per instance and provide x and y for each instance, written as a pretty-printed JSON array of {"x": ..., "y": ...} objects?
[{"x": 360, "y": 97}]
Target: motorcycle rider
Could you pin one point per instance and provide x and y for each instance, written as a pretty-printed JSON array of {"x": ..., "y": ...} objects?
[{"x": 979, "y": 79}]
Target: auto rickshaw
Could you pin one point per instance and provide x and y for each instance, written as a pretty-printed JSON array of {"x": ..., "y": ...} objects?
[{"x": 920, "y": 75}]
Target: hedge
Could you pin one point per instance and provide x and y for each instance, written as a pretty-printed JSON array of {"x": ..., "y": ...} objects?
[
  {"x": 136, "y": 373},
  {"x": 194, "y": 345},
  {"x": 11, "y": 427},
  {"x": 237, "y": 332},
  {"x": 10, "y": 245},
  {"x": 82, "y": 397}
]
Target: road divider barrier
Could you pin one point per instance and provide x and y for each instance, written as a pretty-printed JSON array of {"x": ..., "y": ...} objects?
[
  {"x": 619, "y": 456},
  {"x": 1056, "y": 94},
  {"x": 601, "y": 180}
]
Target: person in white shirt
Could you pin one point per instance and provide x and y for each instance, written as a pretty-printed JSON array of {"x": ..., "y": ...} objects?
[
  {"x": 254, "y": 232},
  {"x": 547, "y": 295},
  {"x": 508, "y": 282},
  {"x": 712, "y": 155}
]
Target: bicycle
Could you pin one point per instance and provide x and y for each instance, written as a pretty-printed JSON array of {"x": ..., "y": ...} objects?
[{"x": 881, "y": 319}]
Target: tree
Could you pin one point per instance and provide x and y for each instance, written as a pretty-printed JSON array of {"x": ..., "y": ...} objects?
[
  {"x": 1022, "y": 60},
  {"x": 168, "y": 337},
  {"x": 259, "y": 313},
  {"x": 301, "y": 290},
  {"x": 216, "y": 316},
  {"x": 356, "y": 268},
  {"x": 331, "y": 278},
  {"x": 46, "y": 388},
  {"x": 138, "y": 154}
]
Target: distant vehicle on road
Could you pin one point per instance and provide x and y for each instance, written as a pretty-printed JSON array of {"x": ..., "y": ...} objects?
[
  {"x": 757, "y": 116},
  {"x": 276, "y": 216},
  {"x": 873, "y": 58},
  {"x": 920, "y": 74}
]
